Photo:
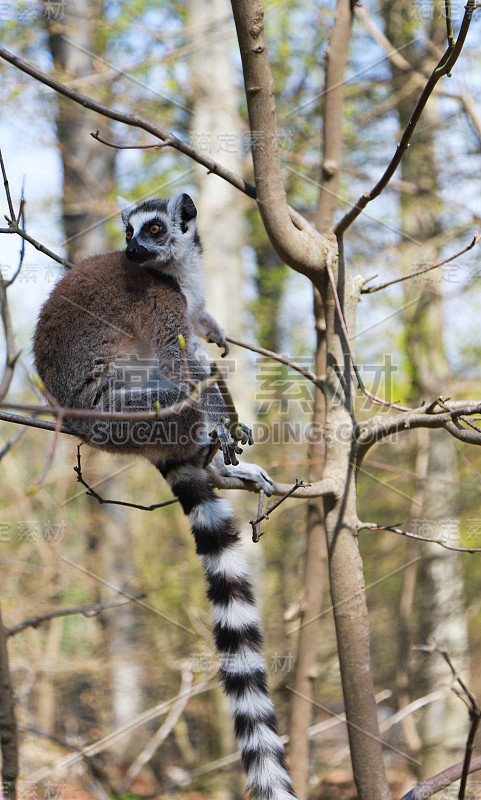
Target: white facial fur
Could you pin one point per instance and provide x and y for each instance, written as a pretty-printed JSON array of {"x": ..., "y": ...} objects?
[{"x": 175, "y": 252}]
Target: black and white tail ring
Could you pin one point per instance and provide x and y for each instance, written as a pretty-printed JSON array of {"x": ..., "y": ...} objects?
[{"x": 237, "y": 630}]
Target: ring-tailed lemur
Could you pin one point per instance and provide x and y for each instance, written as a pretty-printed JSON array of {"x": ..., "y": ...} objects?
[
  {"x": 108, "y": 339},
  {"x": 163, "y": 235}
]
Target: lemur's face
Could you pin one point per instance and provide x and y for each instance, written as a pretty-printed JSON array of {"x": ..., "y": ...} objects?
[{"x": 158, "y": 231}]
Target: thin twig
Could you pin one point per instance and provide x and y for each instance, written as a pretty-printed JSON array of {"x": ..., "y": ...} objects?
[
  {"x": 444, "y": 67},
  {"x": 156, "y": 146},
  {"x": 256, "y": 526},
  {"x": 342, "y": 322},
  {"x": 311, "y": 376},
  {"x": 87, "y": 611},
  {"x": 373, "y": 526},
  {"x": 372, "y": 289},
  {"x": 256, "y": 533},
  {"x": 53, "y": 449},
  {"x": 11, "y": 209},
  {"x": 449, "y": 25},
  {"x": 11, "y": 442},
  {"x": 38, "y": 246},
  {"x": 137, "y": 121},
  {"x": 474, "y": 711},
  {"x": 474, "y": 714},
  {"x": 92, "y": 493},
  {"x": 21, "y": 218},
  {"x": 12, "y": 353}
]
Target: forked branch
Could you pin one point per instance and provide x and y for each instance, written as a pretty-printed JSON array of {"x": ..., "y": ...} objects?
[
  {"x": 304, "y": 250},
  {"x": 423, "y": 417}
]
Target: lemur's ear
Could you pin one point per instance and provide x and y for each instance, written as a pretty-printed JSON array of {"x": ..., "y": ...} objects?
[
  {"x": 125, "y": 207},
  {"x": 183, "y": 208}
]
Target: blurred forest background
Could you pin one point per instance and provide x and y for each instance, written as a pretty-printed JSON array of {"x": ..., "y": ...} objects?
[{"x": 78, "y": 679}]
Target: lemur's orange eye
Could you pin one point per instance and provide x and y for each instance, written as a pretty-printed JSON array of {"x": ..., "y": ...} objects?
[
  {"x": 128, "y": 235},
  {"x": 154, "y": 229}
]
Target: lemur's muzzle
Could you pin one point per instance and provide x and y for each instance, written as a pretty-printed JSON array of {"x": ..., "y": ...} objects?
[{"x": 136, "y": 252}]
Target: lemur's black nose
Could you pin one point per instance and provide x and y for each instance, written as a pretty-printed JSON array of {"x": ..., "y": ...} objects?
[{"x": 136, "y": 252}]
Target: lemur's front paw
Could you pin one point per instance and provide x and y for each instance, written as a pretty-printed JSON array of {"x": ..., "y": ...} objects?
[
  {"x": 218, "y": 338},
  {"x": 227, "y": 442},
  {"x": 253, "y": 473}
]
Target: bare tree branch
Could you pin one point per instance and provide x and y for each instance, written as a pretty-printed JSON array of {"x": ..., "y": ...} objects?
[
  {"x": 311, "y": 376},
  {"x": 319, "y": 489},
  {"x": 373, "y": 526},
  {"x": 372, "y": 289},
  {"x": 417, "y": 76},
  {"x": 12, "y": 352},
  {"x": 7, "y": 190},
  {"x": 30, "y": 422},
  {"x": 444, "y": 66},
  {"x": 468, "y": 699},
  {"x": 92, "y": 610},
  {"x": 92, "y": 493},
  {"x": 342, "y": 322},
  {"x": 371, "y": 432},
  {"x": 21, "y": 218},
  {"x": 136, "y": 121},
  {"x": 256, "y": 534},
  {"x": 87, "y": 413},
  {"x": 14, "y": 226},
  {"x": 154, "y": 146},
  {"x": 440, "y": 781},
  {"x": 304, "y": 250},
  {"x": 38, "y": 245}
]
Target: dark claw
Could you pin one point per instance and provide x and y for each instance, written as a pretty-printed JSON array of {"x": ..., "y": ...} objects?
[
  {"x": 228, "y": 445},
  {"x": 246, "y": 437}
]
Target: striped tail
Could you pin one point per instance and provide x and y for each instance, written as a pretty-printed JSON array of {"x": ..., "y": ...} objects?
[{"x": 236, "y": 629}]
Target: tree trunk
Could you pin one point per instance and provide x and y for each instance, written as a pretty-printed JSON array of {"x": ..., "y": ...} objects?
[
  {"x": 88, "y": 167},
  {"x": 445, "y": 722},
  {"x": 216, "y": 126},
  {"x": 314, "y": 579},
  {"x": 348, "y": 590},
  {"x": 88, "y": 183},
  {"x": 8, "y": 724}
]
